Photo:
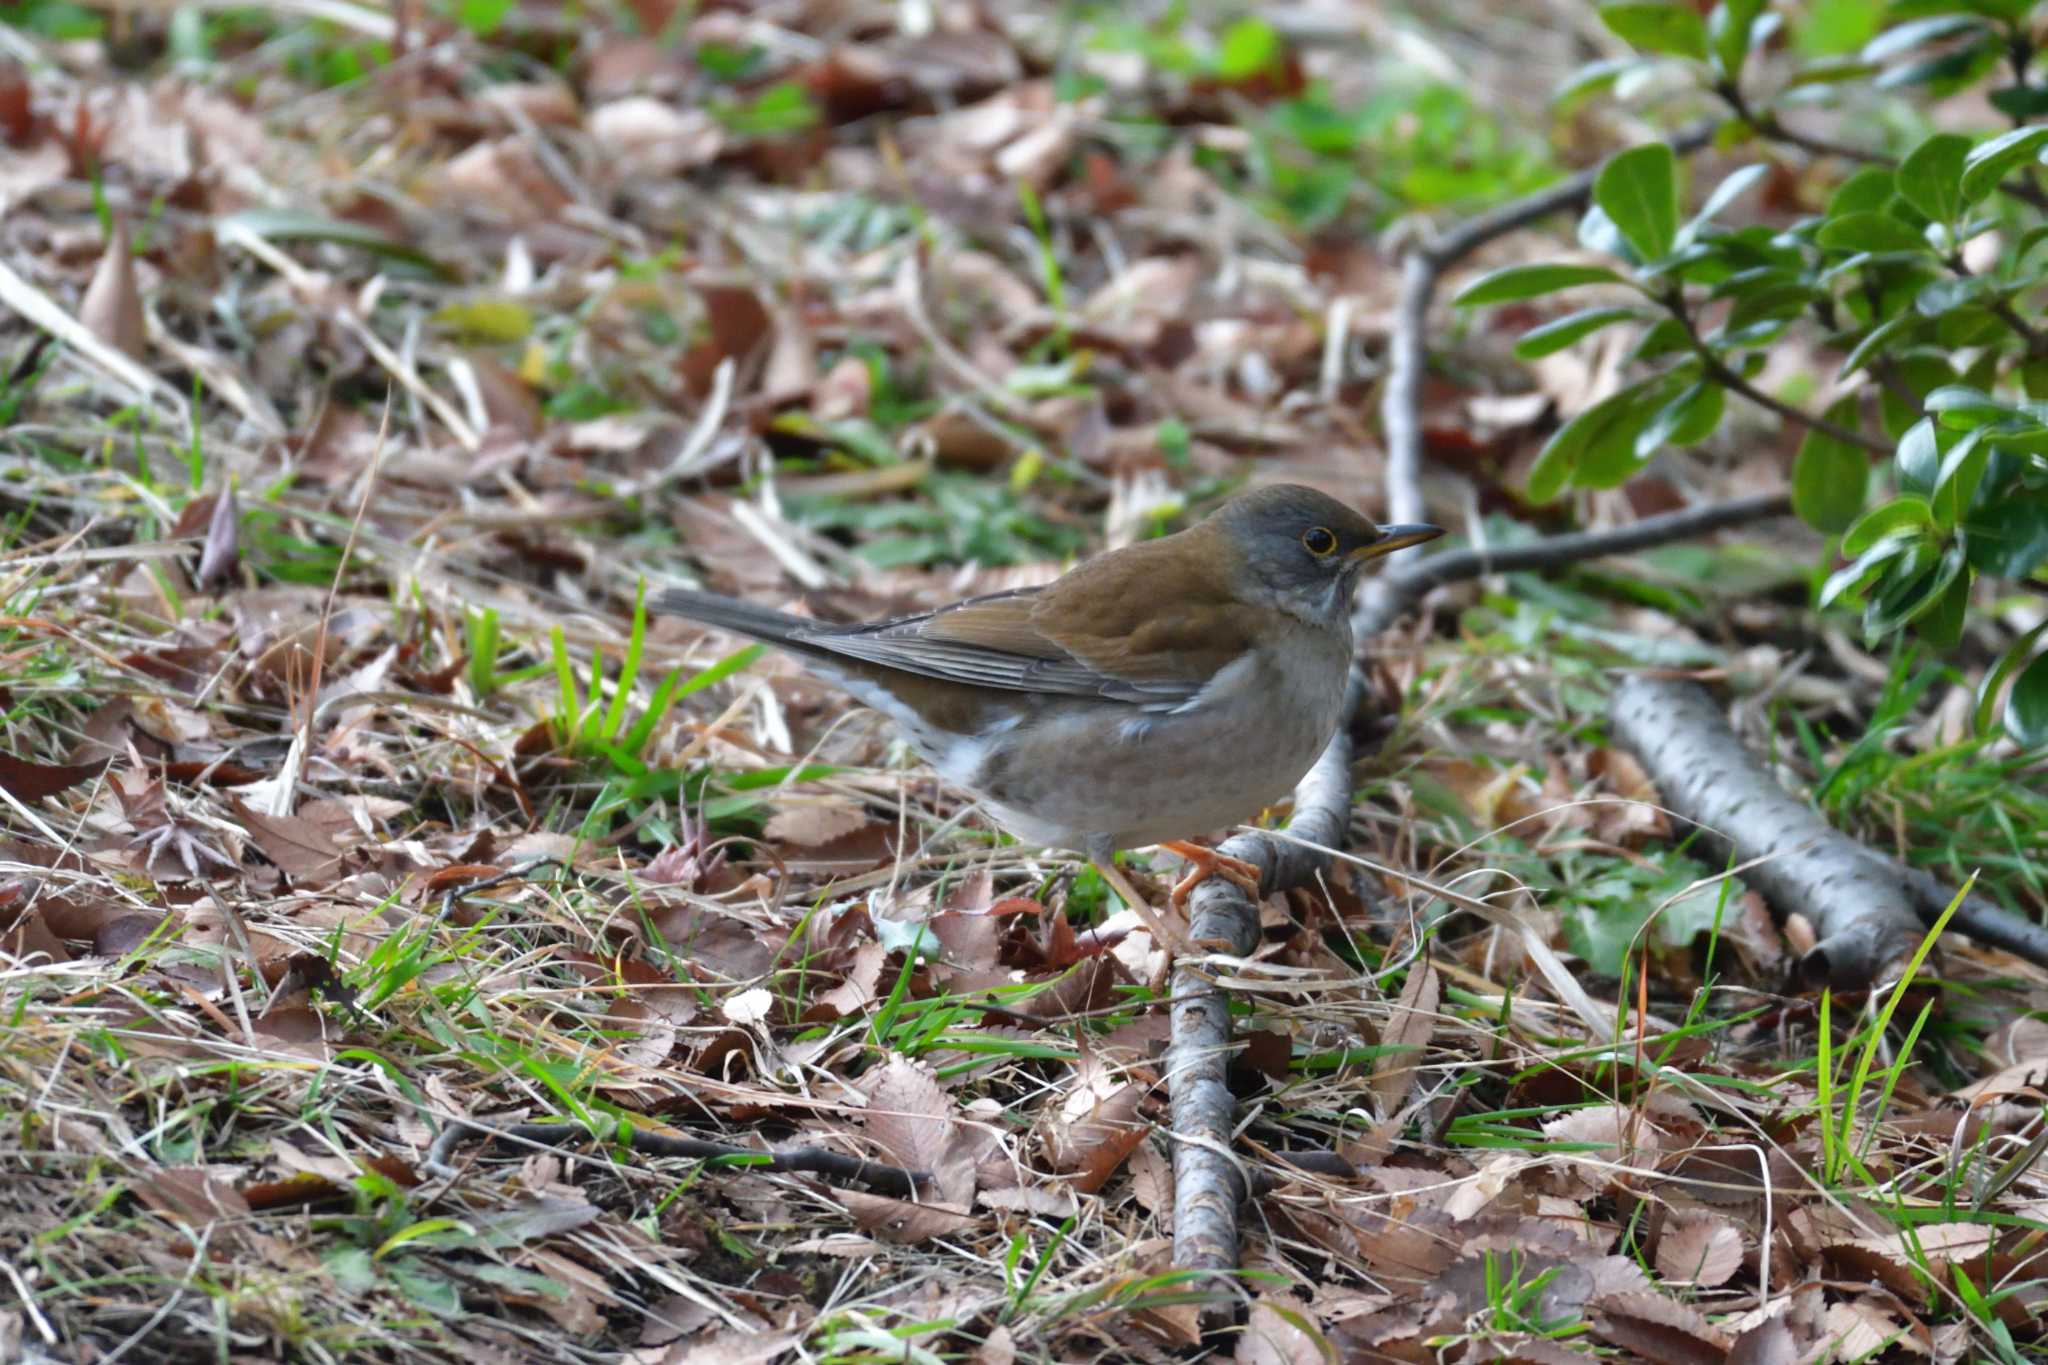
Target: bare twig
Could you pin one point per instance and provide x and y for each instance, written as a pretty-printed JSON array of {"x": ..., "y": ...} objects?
[
  {"x": 1387, "y": 597},
  {"x": 878, "y": 1176},
  {"x": 1868, "y": 910}
]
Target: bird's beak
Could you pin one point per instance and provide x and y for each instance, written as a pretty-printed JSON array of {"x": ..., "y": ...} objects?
[{"x": 1398, "y": 537}]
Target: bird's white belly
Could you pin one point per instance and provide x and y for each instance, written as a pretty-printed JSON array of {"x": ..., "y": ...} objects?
[{"x": 1112, "y": 774}]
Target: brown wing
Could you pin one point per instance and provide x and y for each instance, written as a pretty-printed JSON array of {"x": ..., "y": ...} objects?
[{"x": 1109, "y": 629}]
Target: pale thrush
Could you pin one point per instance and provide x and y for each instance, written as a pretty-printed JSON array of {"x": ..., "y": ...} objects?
[{"x": 1167, "y": 689}]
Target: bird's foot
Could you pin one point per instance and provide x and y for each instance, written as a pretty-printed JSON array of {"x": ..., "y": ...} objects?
[
  {"x": 1207, "y": 863},
  {"x": 1167, "y": 933}
]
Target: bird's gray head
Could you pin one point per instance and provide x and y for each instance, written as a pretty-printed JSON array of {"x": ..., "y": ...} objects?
[{"x": 1306, "y": 549}]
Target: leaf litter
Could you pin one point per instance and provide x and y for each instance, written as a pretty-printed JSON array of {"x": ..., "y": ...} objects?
[{"x": 321, "y": 831}]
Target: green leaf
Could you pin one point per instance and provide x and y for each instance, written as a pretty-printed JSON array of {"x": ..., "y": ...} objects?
[
  {"x": 1830, "y": 478},
  {"x": 2026, "y": 706},
  {"x": 1250, "y": 47},
  {"x": 1561, "y": 332},
  {"x": 2008, "y": 536},
  {"x": 1530, "y": 281},
  {"x": 1732, "y": 187},
  {"x": 1675, "y": 29},
  {"x": 290, "y": 225},
  {"x": 1859, "y": 571},
  {"x": 1905, "y": 37},
  {"x": 1877, "y": 232},
  {"x": 1867, "y": 191},
  {"x": 1731, "y": 28},
  {"x": 1900, "y": 515},
  {"x": 1610, "y": 458},
  {"x": 1996, "y": 676},
  {"x": 1962, "y": 469},
  {"x": 1918, "y": 457},
  {"x": 1686, "y": 420},
  {"x": 1960, "y": 407},
  {"x": 1930, "y": 178},
  {"x": 1942, "y": 625},
  {"x": 1558, "y": 462},
  {"x": 1875, "y": 341},
  {"x": 1638, "y": 190},
  {"x": 1991, "y": 162}
]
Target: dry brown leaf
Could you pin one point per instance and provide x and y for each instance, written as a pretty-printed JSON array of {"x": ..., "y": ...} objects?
[
  {"x": 1768, "y": 1343},
  {"x": 1661, "y": 1330},
  {"x": 812, "y": 824},
  {"x": 903, "y": 1223},
  {"x": 1862, "y": 1329},
  {"x": 1278, "y": 1332},
  {"x": 910, "y": 1117},
  {"x": 302, "y": 849},
  {"x": 1703, "y": 1249},
  {"x": 27, "y": 781},
  {"x": 112, "y": 307},
  {"x": 1406, "y": 1037},
  {"x": 647, "y": 137}
]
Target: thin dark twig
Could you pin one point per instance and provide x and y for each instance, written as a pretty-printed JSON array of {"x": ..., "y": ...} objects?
[
  {"x": 1721, "y": 373},
  {"x": 1387, "y": 597},
  {"x": 1766, "y": 124},
  {"x": 878, "y": 1176}
]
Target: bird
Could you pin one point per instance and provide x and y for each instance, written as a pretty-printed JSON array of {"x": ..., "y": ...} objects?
[{"x": 1163, "y": 690}]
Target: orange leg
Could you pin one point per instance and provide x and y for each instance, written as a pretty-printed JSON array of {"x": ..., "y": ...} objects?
[{"x": 1207, "y": 863}]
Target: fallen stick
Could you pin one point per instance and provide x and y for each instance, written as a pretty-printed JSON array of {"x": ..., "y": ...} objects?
[
  {"x": 1869, "y": 911},
  {"x": 877, "y": 1176}
]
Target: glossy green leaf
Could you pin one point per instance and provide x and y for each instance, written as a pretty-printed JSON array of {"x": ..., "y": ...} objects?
[
  {"x": 1674, "y": 29},
  {"x": 1875, "y": 232},
  {"x": 1559, "y": 333},
  {"x": 1686, "y": 420},
  {"x": 1903, "y": 38},
  {"x": 2026, "y": 707},
  {"x": 2008, "y": 536},
  {"x": 1867, "y": 191},
  {"x": 1731, "y": 29},
  {"x": 1638, "y": 191},
  {"x": 1515, "y": 282},
  {"x": 1902, "y": 515},
  {"x": 1996, "y": 677},
  {"x": 1918, "y": 457},
  {"x": 1962, "y": 469},
  {"x": 1930, "y": 178},
  {"x": 1865, "y": 566},
  {"x": 1991, "y": 162},
  {"x": 1960, "y": 407},
  {"x": 1941, "y": 625},
  {"x": 1557, "y": 464},
  {"x": 1876, "y": 341},
  {"x": 1732, "y": 187},
  {"x": 1830, "y": 478}
]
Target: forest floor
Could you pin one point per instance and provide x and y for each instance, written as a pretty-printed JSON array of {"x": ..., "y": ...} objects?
[{"x": 358, "y": 379}]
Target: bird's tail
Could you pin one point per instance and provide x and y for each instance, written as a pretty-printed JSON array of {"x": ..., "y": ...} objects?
[{"x": 729, "y": 613}]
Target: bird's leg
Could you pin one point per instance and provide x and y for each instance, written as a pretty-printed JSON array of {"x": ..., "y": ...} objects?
[
  {"x": 1207, "y": 863},
  {"x": 1168, "y": 936}
]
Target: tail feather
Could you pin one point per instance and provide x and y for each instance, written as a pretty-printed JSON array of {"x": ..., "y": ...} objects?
[{"x": 731, "y": 614}]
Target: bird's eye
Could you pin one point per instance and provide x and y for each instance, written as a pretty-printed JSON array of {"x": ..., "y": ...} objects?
[{"x": 1319, "y": 541}]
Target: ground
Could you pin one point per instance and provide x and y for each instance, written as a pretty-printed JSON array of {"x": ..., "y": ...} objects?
[{"x": 366, "y": 370}]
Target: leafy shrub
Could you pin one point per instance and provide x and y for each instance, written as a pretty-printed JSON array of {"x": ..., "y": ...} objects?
[{"x": 1920, "y": 273}]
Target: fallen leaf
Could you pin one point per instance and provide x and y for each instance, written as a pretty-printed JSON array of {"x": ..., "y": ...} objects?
[
  {"x": 1406, "y": 1037},
  {"x": 1703, "y": 1250},
  {"x": 112, "y": 307}
]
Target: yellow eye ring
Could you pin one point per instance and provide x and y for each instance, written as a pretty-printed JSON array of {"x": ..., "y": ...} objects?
[{"x": 1319, "y": 541}]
